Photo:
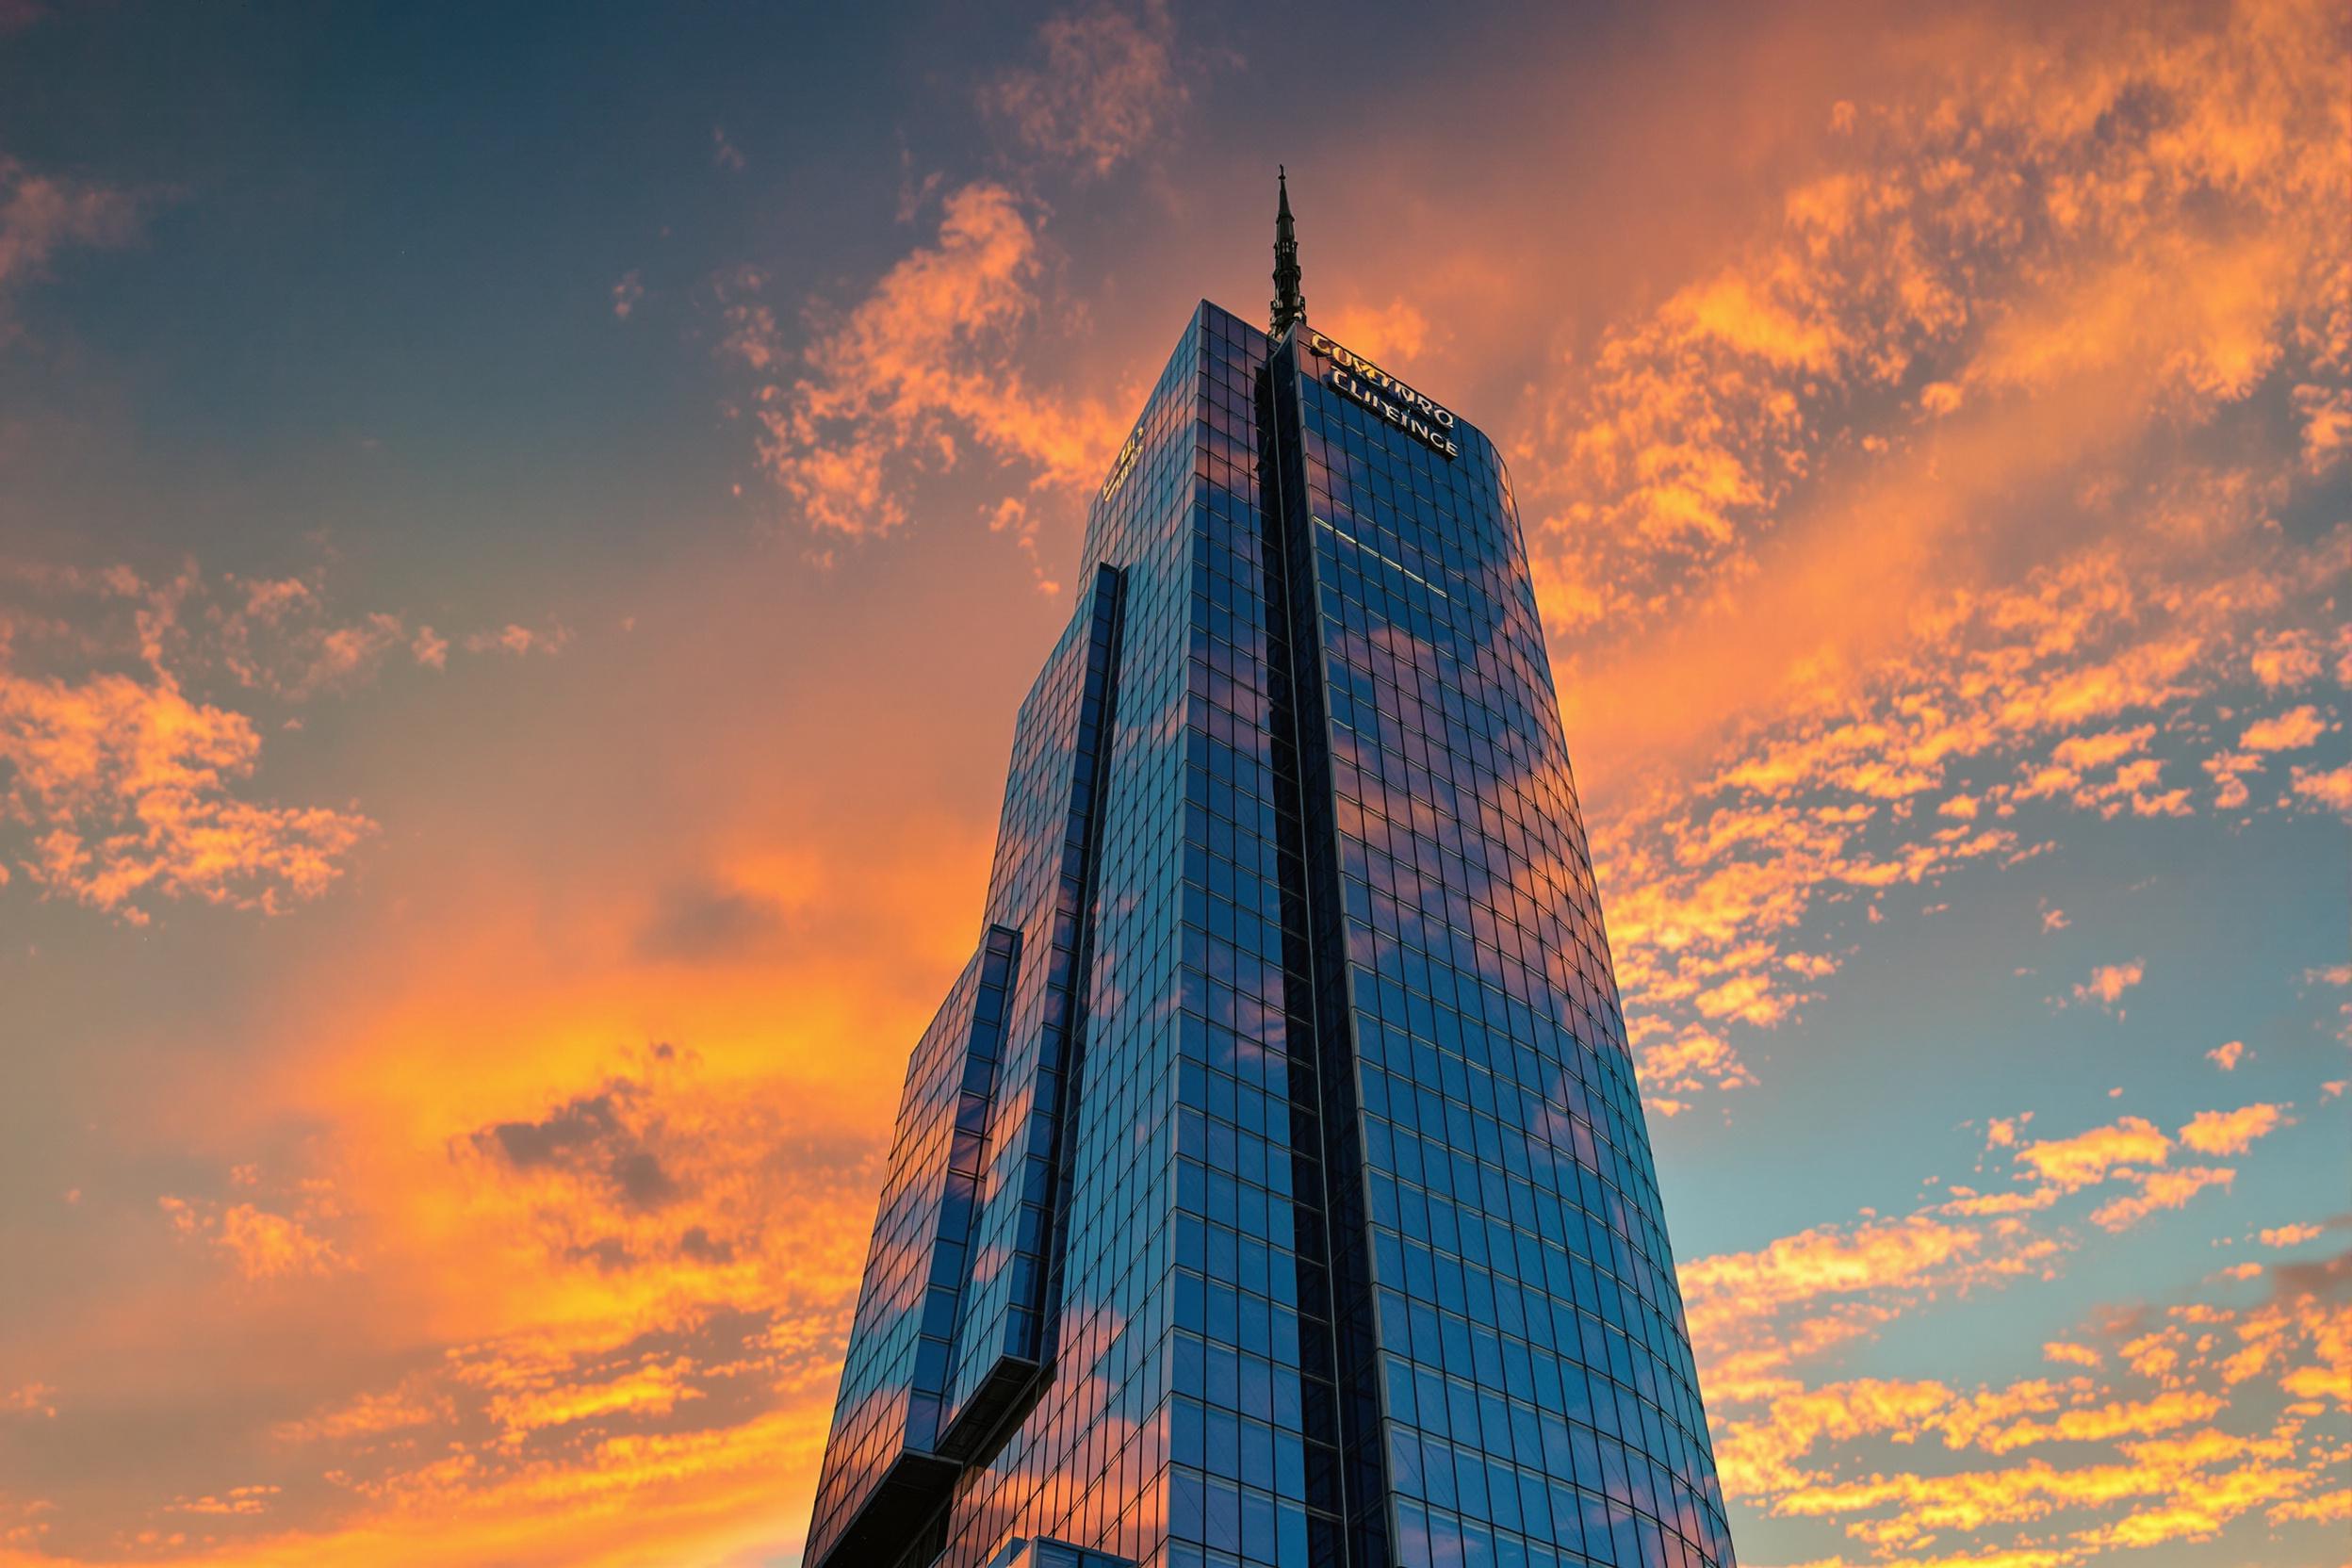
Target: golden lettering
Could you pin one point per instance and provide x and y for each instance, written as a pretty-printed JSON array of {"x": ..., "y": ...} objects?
[{"x": 1368, "y": 385}]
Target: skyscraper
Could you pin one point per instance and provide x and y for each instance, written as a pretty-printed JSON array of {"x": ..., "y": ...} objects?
[{"x": 1272, "y": 1186}]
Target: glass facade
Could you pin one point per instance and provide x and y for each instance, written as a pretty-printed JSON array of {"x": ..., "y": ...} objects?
[{"x": 1272, "y": 1187}]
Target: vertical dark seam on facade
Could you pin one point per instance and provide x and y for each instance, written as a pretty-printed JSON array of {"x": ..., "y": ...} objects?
[
  {"x": 1358, "y": 1466},
  {"x": 1110, "y": 610}
]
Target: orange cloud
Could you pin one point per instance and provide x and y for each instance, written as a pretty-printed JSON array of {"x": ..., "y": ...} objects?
[
  {"x": 2096, "y": 1155},
  {"x": 1756, "y": 1317},
  {"x": 1698, "y": 877},
  {"x": 2289, "y": 731},
  {"x": 2037, "y": 269},
  {"x": 2328, "y": 1508},
  {"x": 2078, "y": 754},
  {"x": 2165, "y": 1491},
  {"x": 2290, "y": 1235},
  {"x": 238, "y": 1499},
  {"x": 41, "y": 215},
  {"x": 518, "y": 640},
  {"x": 2166, "y": 1412},
  {"x": 371, "y": 1414},
  {"x": 1108, "y": 89},
  {"x": 29, "y": 1400},
  {"x": 123, "y": 786},
  {"x": 1736, "y": 472},
  {"x": 1692, "y": 1059},
  {"x": 2331, "y": 789},
  {"x": 261, "y": 1243},
  {"x": 2284, "y": 659},
  {"x": 128, "y": 782},
  {"x": 2108, "y": 982},
  {"x": 649, "y": 1385},
  {"x": 659, "y": 1249},
  {"x": 284, "y": 637},
  {"x": 2170, "y": 1471},
  {"x": 1757, "y": 1457},
  {"x": 2229, "y": 770},
  {"x": 2159, "y": 1190},
  {"x": 1392, "y": 333},
  {"x": 922, "y": 365},
  {"x": 2230, "y": 1132}
]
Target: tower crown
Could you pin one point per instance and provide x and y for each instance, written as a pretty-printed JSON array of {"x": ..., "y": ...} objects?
[{"x": 1289, "y": 304}]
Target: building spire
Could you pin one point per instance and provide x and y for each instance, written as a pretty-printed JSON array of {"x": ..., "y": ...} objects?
[{"x": 1289, "y": 304}]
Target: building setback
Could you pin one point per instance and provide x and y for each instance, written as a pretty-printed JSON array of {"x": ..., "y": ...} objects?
[{"x": 1272, "y": 1186}]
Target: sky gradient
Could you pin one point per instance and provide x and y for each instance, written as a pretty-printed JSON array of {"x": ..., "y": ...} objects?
[{"x": 522, "y": 532}]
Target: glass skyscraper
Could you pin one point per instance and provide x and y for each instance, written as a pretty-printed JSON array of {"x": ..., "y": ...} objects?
[{"x": 1272, "y": 1186}]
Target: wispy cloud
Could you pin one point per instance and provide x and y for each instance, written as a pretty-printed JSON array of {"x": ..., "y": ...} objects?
[
  {"x": 2095, "y": 1155},
  {"x": 923, "y": 368},
  {"x": 1108, "y": 87},
  {"x": 130, "y": 747},
  {"x": 2231, "y": 1132},
  {"x": 2153, "y": 1437},
  {"x": 43, "y": 215},
  {"x": 2107, "y": 984},
  {"x": 260, "y": 1243},
  {"x": 1874, "y": 537},
  {"x": 940, "y": 360},
  {"x": 2292, "y": 730},
  {"x": 123, "y": 789}
]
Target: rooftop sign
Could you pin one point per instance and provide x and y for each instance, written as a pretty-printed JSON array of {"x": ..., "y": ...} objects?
[
  {"x": 1122, "y": 463},
  {"x": 1363, "y": 383}
]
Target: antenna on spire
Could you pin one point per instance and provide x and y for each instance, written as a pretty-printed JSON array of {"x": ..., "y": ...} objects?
[{"x": 1289, "y": 304}]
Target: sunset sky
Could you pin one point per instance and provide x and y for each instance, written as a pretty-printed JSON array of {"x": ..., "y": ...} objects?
[{"x": 522, "y": 532}]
